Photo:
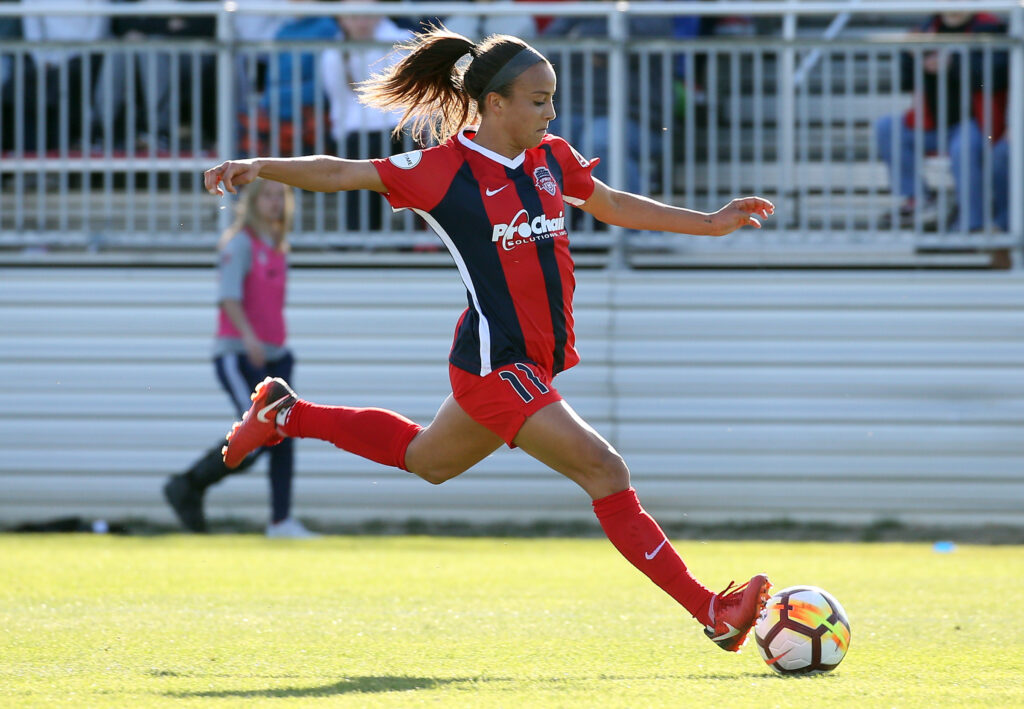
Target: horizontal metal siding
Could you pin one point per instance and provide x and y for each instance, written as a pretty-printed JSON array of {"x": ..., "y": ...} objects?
[{"x": 733, "y": 396}]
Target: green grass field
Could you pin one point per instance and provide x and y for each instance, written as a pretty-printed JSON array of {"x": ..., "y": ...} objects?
[{"x": 93, "y": 621}]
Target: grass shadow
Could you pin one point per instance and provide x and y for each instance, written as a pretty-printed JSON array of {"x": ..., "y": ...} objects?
[
  {"x": 759, "y": 675},
  {"x": 348, "y": 685},
  {"x": 729, "y": 675}
]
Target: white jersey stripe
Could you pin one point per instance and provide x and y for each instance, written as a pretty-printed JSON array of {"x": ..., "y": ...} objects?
[{"x": 485, "y": 328}]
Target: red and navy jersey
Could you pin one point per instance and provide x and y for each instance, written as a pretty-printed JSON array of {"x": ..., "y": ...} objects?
[{"x": 503, "y": 220}]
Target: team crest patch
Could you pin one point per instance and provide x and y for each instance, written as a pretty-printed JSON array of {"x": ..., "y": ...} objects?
[
  {"x": 545, "y": 181},
  {"x": 406, "y": 161}
]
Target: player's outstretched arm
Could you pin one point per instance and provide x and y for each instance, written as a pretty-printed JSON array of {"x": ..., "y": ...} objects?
[
  {"x": 633, "y": 211},
  {"x": 316, "y": 173}
]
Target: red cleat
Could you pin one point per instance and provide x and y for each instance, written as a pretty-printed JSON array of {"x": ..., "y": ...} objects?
[
  {"x": 734, "y": 610},
  {"x": 258, "y": 427}
]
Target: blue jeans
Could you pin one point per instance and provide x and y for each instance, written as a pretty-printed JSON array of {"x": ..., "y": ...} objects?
[
  {"x": 239, "y": 377},
  {"x": 970, "y": 199}
]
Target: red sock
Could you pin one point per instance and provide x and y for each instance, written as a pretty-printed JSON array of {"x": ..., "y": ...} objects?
[
  {"x": 380, "y": 435},
  {"x": 639, "y": 538}
]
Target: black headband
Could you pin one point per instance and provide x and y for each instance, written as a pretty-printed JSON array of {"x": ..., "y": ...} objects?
[{"x": 520, "y": 62}]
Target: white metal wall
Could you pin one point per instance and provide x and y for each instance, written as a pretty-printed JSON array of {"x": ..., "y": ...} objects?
[{"x": 733, "y": 395}]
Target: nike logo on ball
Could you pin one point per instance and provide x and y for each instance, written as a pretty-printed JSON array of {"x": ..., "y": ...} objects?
[
  {"x": 651, "y": 554},
  {"x": 490, "y": 193}
]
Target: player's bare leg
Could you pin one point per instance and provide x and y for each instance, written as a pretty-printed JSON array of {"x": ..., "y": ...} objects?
[
  {"x": 559, "y": 438},
  {"x": 452, "y": 444}
]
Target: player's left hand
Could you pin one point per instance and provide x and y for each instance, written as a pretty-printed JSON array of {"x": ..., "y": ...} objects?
[{"x": 741, "y": 212}]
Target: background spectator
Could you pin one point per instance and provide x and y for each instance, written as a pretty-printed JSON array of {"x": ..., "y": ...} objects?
[
  {"x": 250, "y": 345},
  {"x": 942, "y": 72},
  {"x": 10, "y": 28},
  {"x": 361, "y": 132},
  {"x": 689, "y": 27},
  {"x": 251, "y": 68},
  {"x": 542, "y": 21},
  {"x": 75, "y": 115},
  {"x": 281, "y": 92},
  {"x": 480, "y": 26},
  {"x": 257, "y": 28},
  {"x": 415, "y": 22},
  {"x": 153, "y": 75},
  {"x": 591, "y": 134}
]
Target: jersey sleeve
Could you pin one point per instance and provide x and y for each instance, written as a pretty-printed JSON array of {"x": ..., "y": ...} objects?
[
  {"x": 232, "y": 268},
  {"x": 418, "y": 179},
  {"x": 577, "y": 177}
]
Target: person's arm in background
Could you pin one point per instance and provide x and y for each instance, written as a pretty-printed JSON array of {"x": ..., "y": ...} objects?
[{"x": 253, "y": 347}]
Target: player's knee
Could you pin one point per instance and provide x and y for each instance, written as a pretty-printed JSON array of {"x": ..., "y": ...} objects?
[
  {"x": 437, "y": 474},
  {"x": 604, "y": 468},
  {"x": 435, "y": 477}
]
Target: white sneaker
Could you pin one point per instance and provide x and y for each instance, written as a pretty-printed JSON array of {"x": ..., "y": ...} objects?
[{"x": 289, "y": 528}]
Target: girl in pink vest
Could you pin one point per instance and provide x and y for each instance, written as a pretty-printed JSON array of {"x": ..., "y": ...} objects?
[{"x": 250, "y": 345}]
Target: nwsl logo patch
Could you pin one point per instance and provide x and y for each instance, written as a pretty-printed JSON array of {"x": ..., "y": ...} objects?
[
  {"x": 407, "y": 161},
  {"x": 544, "y": 180}
]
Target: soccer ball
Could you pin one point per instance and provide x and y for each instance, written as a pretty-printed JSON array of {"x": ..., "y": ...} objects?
[{"x": 802, "y": 630}]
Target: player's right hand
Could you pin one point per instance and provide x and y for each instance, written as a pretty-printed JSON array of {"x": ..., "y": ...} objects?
[
  {"x": 230, "y": 174},
  {"x": 254, "y": 351}
]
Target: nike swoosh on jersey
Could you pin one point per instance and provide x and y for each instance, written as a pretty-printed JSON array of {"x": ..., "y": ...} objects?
[
  {"x": 490, "y": 193},
  {"x": 651, "y": 554},
  {"x": 261, "y": 415}
]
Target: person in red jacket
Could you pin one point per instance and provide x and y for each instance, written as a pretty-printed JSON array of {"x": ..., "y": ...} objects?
[
  {"x": 939, "y": 106},
  {"x": 497, "y": 194}
]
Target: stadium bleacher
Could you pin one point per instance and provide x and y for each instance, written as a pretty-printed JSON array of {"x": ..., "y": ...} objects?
[{"x": 110, "y": 204}]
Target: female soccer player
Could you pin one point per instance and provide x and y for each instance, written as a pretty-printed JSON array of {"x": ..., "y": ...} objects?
[
  {"x": 252, "y": 273},
  {"x": 495, "y": 194}
]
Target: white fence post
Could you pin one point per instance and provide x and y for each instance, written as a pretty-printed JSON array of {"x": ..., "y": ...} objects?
[
  {"x": 618, "y": 98},
  {"x": 225, "y": 95},
  {"x": 1016, "y": 134},
  {"x": 787, "y": 117}
]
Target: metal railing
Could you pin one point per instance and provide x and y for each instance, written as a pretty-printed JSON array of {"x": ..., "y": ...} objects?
[{"x": 114, "y": 164}]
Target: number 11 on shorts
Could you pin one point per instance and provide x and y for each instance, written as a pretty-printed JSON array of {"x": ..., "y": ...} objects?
[{"x": 517, "y": 384}]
